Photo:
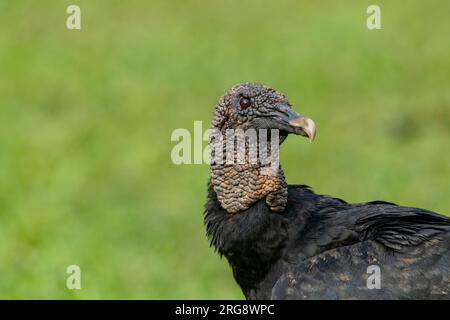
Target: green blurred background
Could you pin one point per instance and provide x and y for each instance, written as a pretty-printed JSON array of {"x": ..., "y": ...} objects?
[{"x": 86, "y": 118}]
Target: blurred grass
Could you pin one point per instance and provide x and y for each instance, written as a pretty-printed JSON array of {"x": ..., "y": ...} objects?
[{"x": 86, "y": 118}]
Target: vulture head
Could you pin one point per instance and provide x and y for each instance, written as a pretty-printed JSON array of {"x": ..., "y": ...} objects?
[{"x": 252, "y": 109}]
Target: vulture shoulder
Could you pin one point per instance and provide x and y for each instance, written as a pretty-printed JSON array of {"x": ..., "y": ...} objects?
[{"x": 343, "y": 244}]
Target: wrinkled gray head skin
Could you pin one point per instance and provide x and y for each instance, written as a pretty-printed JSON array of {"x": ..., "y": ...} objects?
[
  {"x": 250, "y": 105},
  {"x": 254, "y": 106}
]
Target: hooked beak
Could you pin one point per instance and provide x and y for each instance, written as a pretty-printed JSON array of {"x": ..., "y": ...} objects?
[
  {"x": 298, "y": 124},
  {"x": 287, "y": 121},
  {"x": 305, "y": 126}
]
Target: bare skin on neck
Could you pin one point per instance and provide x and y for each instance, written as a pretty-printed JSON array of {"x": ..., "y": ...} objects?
[
  {"x": 244, "y": 106},
  {"x": 238, "y": 187}
]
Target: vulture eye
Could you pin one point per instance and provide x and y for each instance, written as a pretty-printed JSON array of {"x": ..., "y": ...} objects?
[{"x": 245, "y": 103}]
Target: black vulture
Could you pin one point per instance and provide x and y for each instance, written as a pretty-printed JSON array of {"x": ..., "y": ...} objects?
[{"x": 287, "y": 242}]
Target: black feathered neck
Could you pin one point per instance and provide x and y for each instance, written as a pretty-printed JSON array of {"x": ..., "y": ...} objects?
[{"x": 254, "y": 239}]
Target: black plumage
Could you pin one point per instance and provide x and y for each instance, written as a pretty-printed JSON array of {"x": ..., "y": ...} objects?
[{"x": 321, "y": 247}]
